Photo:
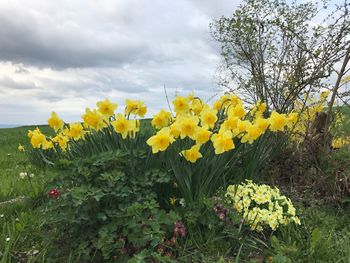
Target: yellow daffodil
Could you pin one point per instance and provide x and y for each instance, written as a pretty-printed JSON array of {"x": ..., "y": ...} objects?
[
  {"x": 242, "y": 126},
  {"x": 277, "y": 121},
  {"x": 237, "y": 111},
  {"x": 253, "y": 132},
  {"x": 123, "y": 126},
  {"x": 175, "y": 129},
  {"x": 230, "y": 123},
  {"x": 187, "y": 126},
  {"x": 192, "y": 154},
  {"x": 262, "y": 107},
  {"x": 202, "y": 135},
  {"x": 161, "y": 119},
  {"x": 37, "y": 138},
  {"x": 76, "y": 131},
  {"x": 94, "y": 119},
  {"x": 181, "y": 105},
  {"x": 55, "y": 122},
  {"x": 208, "y": 117},
  {"x": 106, "y": 107},
  {"x": 196, "y": 106},
  {"x": 30, "y": 134},
  {"x": 262, "y": 123},
  {"x": 135, "y": 107},
  {"x": 292, "y": 119},
  {"x": 222, "y": 142},
  {"x": 161, "y": 141},
  {"x": 21, "y": 148},
  {"x": 62, "y": 140},
  {"x": 47, "y": 144}
]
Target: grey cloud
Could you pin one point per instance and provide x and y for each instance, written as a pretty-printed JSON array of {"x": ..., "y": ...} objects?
[
  {"x": 136, "y": 36},
  {"x": 21, "y": 70},
  {"x": 88, "y": 50},
  {"x": 10, "y": 83},
  {"x": 217, "y": 8},
  {"x": 26, "y": 41}
]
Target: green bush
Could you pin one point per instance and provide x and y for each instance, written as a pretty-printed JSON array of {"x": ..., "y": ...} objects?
[{"x": 107, "y": 212}]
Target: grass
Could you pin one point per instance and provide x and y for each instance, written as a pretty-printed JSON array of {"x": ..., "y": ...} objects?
[
  {"x": 13, "y": 162},
  {"x": 322, "y": 237},
  {"x": 21, "y": 239}
]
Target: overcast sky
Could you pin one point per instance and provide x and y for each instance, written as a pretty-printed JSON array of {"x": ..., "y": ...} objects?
[{"x": 64, "y": 56}]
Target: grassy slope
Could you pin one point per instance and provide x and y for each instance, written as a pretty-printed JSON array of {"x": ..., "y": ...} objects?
[
  {"x": 12, "y": 162},
  {"x": 20, "y": 233}
]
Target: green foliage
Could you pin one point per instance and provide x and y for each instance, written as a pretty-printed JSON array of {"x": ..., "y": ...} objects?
[
  {"x": 108, "y": 210},
  {"x": 334, "y": 179},
  {"x": 322, "y": 237},
  {"x": 215, "y": 230},
  {"x": 212, "y": 171},
  {"x": 209, "y": 238}
]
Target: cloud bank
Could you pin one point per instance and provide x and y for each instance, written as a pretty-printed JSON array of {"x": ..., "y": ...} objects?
[{"x": 66, "y": 55}]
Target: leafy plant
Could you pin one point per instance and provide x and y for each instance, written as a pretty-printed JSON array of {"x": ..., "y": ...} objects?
[{"x": 107, "y": 211}]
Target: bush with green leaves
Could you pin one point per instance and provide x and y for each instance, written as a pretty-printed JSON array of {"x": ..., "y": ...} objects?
[{"x": 107, "y": 212}]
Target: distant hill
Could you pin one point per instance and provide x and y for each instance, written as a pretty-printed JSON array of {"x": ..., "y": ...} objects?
[{"x": 9, "y": 125}]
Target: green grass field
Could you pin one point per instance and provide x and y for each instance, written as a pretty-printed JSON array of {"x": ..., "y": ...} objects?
[
  {"x": 324, "y": 233},
  {"x": 20, "y": 234},
  {"x": 13, "y": 162}
]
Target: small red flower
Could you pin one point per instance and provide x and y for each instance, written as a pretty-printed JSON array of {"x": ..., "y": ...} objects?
[{"x": 54, "y": 193}]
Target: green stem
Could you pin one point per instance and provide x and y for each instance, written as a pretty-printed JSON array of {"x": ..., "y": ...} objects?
[{"x": 131, "y": 156}]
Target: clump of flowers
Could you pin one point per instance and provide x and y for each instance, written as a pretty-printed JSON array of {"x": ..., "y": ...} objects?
[
  {"x": 94, "y": 120},
  {"x": 221, "y": 123},
  {"x": 165, "y": 248},
  {"x": 261, "y": 205},
  {"x": 24, "y": 175}
]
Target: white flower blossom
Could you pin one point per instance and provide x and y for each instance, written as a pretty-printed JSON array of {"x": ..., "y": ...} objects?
[{"x": 23, "y": 175}]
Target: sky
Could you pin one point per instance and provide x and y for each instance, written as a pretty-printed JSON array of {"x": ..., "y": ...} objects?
[{"x": 64, "y": 56}]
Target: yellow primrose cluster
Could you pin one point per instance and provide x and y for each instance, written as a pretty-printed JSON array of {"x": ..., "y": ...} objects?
[
  {"x": 219, "y": 123},
  {"x": 261, "y": 206},
  {"x": 93, "y": 120}
]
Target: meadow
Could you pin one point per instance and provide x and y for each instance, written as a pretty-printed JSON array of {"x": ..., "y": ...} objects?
[{"x": 35, "y": 225}]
